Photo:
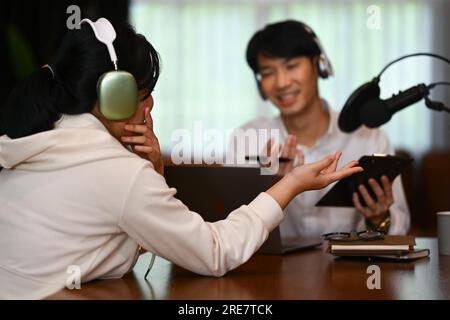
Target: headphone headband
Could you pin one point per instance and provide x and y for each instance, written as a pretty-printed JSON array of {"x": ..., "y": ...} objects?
[
  {"x": 323, "y": 56},
  {"x": 105, "y": 33}
]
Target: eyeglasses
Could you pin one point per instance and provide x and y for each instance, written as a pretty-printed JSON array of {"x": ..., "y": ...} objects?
[{"x": 353, "y": 236}]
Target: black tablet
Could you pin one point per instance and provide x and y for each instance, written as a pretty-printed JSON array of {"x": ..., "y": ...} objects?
[{"x": 375, "y": 166}]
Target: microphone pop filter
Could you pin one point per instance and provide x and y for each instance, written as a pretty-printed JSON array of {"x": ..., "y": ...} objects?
[{"x": 349, "y": 118}]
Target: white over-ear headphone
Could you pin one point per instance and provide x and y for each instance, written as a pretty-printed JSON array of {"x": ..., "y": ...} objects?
[{"x": 324, "y": 64}]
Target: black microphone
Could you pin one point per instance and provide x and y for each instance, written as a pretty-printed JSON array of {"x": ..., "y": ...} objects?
[
  {"x": 364, "y": 105},
  {"x": 377, "y": 112}
]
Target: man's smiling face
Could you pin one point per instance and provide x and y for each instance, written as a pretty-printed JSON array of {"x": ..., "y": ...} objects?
[{"x": 290, "y": 84}]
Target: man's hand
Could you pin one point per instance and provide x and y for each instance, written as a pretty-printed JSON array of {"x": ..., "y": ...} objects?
[
  {"x": 146, "y": 145},
  {"x": 376, "y": 210},
  {"x": 287, "y": 151}
]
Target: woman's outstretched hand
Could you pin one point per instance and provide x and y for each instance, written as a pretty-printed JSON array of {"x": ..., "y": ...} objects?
[{"x": 313, "y": 176}]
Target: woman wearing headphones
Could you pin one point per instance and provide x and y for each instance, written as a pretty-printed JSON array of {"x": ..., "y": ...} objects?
[{"x": 73, "y": 191}]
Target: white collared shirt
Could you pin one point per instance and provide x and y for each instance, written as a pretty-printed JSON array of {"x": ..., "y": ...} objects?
[{"x": 302, "y": 217}]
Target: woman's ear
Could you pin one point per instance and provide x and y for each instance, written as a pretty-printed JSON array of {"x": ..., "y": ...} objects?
[
  {"x": 139, "y": 116},
  {"x": 145, "y": 103}
]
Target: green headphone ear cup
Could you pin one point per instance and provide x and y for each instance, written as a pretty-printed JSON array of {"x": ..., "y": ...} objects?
[{"x": 117, "y": 95}]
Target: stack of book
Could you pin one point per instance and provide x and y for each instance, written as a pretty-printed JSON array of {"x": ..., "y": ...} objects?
[{"x": 391, "y": 248}]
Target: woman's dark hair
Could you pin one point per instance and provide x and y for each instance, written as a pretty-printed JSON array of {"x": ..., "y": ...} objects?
[
  {"x": 287, "y": 39},
  {"x": 38, "y": 101}
]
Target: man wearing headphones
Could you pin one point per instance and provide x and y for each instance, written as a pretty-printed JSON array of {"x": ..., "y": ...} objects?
[{"x": 287, "y": 59}]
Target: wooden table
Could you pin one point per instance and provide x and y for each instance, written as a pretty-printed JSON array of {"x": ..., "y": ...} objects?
[{"x": 310, "y": 274}]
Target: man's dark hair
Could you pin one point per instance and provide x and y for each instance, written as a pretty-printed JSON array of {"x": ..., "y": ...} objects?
[{"x": 287, "y": 39}]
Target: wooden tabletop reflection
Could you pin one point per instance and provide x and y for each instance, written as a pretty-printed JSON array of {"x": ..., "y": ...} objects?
[{"x": 311, "y": 274}]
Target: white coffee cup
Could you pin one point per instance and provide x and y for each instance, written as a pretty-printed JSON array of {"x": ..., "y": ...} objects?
[{"x": 443, "y": 226}]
